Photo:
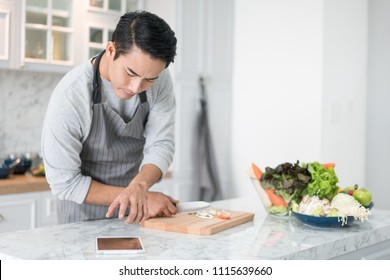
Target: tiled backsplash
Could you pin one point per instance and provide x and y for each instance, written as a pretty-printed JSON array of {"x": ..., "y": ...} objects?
[{"x": 23, "y": 100}]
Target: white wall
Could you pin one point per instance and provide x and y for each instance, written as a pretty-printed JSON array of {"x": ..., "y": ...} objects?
[
  {"x": 299, "y": 86},
  {"x": 277, "y": 86},
  {"x": 378, "y": 113},
  {"x": 345, "y": 88},
  {"x": 164, "y": 9}
]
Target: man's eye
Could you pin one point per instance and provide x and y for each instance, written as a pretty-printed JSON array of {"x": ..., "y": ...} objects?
[{"x": 130, "y": 74}]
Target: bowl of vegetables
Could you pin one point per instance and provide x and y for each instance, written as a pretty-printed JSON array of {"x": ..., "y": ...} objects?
[
  {"x": 280, "y": 186},
  {"x": 341, "y": 211},
  {"x": 309, "y": 192},
  {"x": 284, "y": 185}
]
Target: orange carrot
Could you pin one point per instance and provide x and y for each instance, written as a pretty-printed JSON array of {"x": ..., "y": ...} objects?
[
  {"x": 276, "y": 200},
  {"x": 329, "y": 165},
  {"x": 223, "y": 217},
  {"x": 256, "y": 171}
]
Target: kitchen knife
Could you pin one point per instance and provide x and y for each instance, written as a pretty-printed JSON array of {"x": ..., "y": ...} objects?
[{"x": 191, "y": 206}]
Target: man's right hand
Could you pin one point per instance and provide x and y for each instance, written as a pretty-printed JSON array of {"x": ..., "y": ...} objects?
[{"x": 160, "y": 205}]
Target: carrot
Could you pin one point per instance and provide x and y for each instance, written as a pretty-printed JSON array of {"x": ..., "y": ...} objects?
[
  {"x": 329, "y": 165},
  {"x": 276, "y": 200},
  {"x": 256, "y": 171},
  {"x": 223, "y": 217}
]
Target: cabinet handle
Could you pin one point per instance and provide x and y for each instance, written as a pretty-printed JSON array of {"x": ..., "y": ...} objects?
[{"x": 1, "y": 218}]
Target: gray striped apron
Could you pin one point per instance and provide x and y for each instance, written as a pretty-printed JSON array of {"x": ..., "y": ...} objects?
[{"x": 111, "y": 154}]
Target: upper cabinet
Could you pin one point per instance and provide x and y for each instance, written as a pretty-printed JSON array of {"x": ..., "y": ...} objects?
[
  {"x": 48, "y": 32},
  {"x": 4, "y": 29},
  {"x": 56, "y": 35},
  {"x": 9, "y": 33},
  {"x": 103, "y": 16},
  {"x": 115, "y": 6}
]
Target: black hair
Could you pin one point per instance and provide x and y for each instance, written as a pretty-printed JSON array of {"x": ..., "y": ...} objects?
[{"x": 146, "y": 31}]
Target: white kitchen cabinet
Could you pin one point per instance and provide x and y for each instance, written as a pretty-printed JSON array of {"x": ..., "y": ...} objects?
[
  {"x": 9, "y": 34},
  {"x": 48, "y": 34},
  {"x": 18, "y": 212},
  {"x": 4, "y": 29},
  {"x": 112, "y": 6},
  {"x": 56, "y": 35},
  {"x": 47, "y": 212},
  {"x": 27, "y": 211},
  {"x": 101, "y": 19}
]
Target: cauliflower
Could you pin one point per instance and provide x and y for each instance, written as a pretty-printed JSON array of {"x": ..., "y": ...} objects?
[{"x": 349, "y": 206}]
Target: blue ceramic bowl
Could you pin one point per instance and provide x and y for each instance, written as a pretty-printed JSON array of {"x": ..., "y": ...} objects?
[
  {"x": 370, "y": 205},
  {"x": 21, "y": 167},
  {"x": 324, "y": 222},
  {"x": 5, "y": 171}
]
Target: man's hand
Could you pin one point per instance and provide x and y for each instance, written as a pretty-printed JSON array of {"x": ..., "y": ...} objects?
[
  {"x": 160, "y": 205},
  {"x": 133, "y": 197}
]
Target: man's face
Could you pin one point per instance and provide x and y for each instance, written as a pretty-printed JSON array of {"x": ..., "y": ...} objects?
[{"x": 133, "y": 73}]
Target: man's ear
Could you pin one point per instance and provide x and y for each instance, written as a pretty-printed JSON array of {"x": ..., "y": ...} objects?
[{"x": 110, "y": 49}]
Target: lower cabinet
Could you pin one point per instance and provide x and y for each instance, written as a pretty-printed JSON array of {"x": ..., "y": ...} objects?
[{"x": 27, "y": 211}]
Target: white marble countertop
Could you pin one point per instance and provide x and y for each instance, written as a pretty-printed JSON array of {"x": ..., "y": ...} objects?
[{"x": 266, "y": 237}]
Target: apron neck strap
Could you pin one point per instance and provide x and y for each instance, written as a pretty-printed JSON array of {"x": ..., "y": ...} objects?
[
  {"x": 97, "y": 81},
  {"x": 142, "y": 97}
]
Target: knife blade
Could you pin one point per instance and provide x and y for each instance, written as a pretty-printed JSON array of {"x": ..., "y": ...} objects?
[{"x": 191, "y": 206}]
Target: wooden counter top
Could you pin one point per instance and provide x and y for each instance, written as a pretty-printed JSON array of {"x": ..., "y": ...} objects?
[
  {"x": 29, "y": 183},
  {"x": 22, "y": 184}
]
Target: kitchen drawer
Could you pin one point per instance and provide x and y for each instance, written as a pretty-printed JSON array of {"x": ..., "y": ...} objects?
[
  {"x": 18, "y": 212},
  {"x": 27, "y": 211},
  {"x": 48, "y": 209}
]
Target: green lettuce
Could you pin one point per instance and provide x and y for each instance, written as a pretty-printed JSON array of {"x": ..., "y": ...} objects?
[{"x": 323, "y": 181}]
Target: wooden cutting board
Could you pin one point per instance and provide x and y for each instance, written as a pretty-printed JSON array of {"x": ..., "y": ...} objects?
[{"x": 189, "y": 223}]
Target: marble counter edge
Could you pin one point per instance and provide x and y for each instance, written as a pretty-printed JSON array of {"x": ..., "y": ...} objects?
[{"x": 307, "y": 243}]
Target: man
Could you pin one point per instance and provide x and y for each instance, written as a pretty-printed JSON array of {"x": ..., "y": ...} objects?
[{"x": 108, "y": 133}]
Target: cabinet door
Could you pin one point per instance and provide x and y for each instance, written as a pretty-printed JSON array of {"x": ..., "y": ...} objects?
[
  {"x": 4, "y": 31},
  {"x": 49, "y": 32},
  {"x": 101, "y": 16},
  {"x": 9, "y": 34},
  {"x": 47, "y": 209},
  {"x": 115, "y": 6},
  {"x": 18, "y": 212},
  {"x": 98, "y": 36}
]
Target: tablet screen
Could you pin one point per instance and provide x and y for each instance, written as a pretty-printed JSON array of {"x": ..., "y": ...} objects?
[{"x": 119, "y": 244}]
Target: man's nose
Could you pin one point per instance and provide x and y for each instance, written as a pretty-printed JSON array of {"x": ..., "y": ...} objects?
[{"x": 136, "y": 85}]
